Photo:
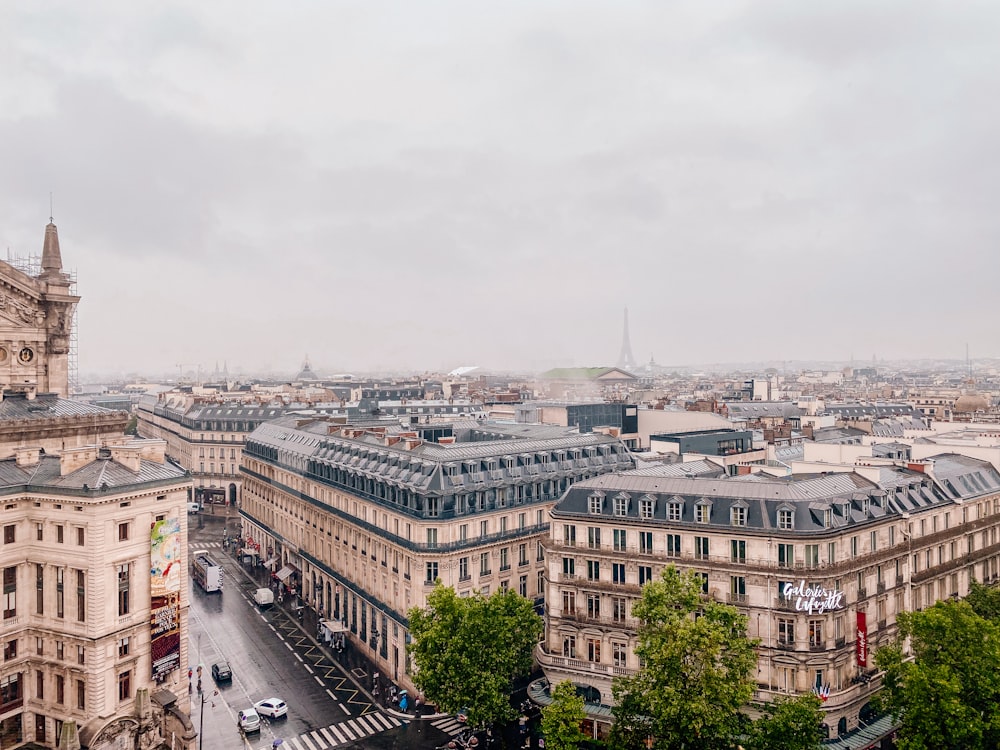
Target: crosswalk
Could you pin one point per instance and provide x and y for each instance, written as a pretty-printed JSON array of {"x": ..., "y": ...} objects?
[
  {"x": 334, "y": 735},
  {"x": 448, "y": 725},
  {"x": 206, "y": 545}
]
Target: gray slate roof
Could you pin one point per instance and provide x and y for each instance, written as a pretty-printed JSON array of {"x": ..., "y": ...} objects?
[
  {"x": 99, "y": 475},
  {"x": 46, "y": 406}
]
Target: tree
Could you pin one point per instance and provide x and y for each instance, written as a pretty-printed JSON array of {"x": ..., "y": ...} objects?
[
  {"x": 468, "y": 650},
  {"x": 948, "y": 696},
  {"x": 788, "y": 724},
  {"x": 561, "y": 719},
  {"x": 985, "y": 601},
  {"x": 697, "y": 674}
]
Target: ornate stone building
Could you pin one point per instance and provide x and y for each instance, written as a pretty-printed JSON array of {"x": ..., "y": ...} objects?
[
  {"x": 821, "y": 564},
  {"x": 93, "y": 622}
]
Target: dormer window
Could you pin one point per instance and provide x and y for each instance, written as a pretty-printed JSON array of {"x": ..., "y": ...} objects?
[
  {"x": 594, "y": 503},
  {"x": 702, "y": 512},
  {"x": 866, "y": 505},
  {"x": 646, "y": 507},
  {"x": 674, "y": 511},
  {"x": 621, "y": 505},
  {"x": 827, "y": 518},
  {"x": 845, "y": 511},
  {"x": 786, "y": 519},
  {"x": 738, "y": 516}
]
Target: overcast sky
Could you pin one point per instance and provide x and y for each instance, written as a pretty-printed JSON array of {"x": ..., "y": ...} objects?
[{"x": 424, "y": 185}]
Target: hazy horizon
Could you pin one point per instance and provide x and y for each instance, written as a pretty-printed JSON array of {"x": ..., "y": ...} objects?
[{"x": 418, "y": 187}]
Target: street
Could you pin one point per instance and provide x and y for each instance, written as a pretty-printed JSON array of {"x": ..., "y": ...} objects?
[{"x": 271, "y": 654}]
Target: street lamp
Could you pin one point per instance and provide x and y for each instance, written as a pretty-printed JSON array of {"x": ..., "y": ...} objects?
[{"x": 201, "y": 720}]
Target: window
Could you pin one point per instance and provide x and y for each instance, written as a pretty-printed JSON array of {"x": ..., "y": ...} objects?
[
  {"x": 522, "y": 586},
  {"x": 619, "y": 537},
  {"x": 503, "y": 524},
  {"x": 125, "y": 686},
  {"x": 463, "y": 568},
  {"x": 484, "y": 563},
  {"x": 39, "y": 531},
  {"x": 539, "y": 552},
  {"x": 831, "y": 552},
  {"x": 594, "y": 650},
  {"x": 594, "y": 504},
  {"x": 569, "y": 566},
  {"x": 60, "y": 689},
  {"x": 827, "y": 518},
  {"x": 540, "y": 583},
  {"x": 522, "y": 554},
  {"x": 432, "y": 538},
  {"x": 816, "y": 633},
  {"x": 569, "y": 602},
  {"x": 645, "y": 574},
  {"x": 674, "y": 511},
  {"x": 618, "y": 654},
  {"x": 39, "y": 589},
  {"x": 618, "y": 611},
  {"x": 463, "y": 532},
  {"x": 873, "y": 541},
  {"x": 738, "y": 550},
  {"x": 737, "y": 588},
  {"x": 8, "y": 534},
  {"x": 701, "y": 547},
  {"x": 505, "y": 558},
  {"x": 646, "y": 542},
  {"x": 569, "y": 536},
  {"x": 594, "y": 606},
  {"x": 854, "y": 546},
  {"x": 81, "y": 597},
  {"x": 621, "y": 506},
  {"x": 433, "y": 507},
  {"x": 59, "y": 534},
  {"x": 9, "y": 592},
  {"x": 812, "y": 555},
  {"x": 593, "y": 570},
  {"x": 593, "y": 537},
  {"x": 123, "y": 532},
  {"x": 617, "y": 572},
  {"x": 79, "y": 536},
  {"x": 645, "y": 508},
  {"x": 60, "y": 651},
  {"x": 786, "y": 631},
  {"x": 81, "y": 694},
  {"x": 702, "y": 512},
  {"x": 786, "y": 519},
  {"x": 673, "y": 545},
  {"x": 786, "y": 555},
  {"x": 569, "y": 646},
  {"x": 124, "y": 597},
  {"x": 39, "y": 646},
  {"x": 81, "y": 655},
  {"x": 738, "y": 516},
  {"x": 39, "y": 684},
  {"x": 10, "y": 650},
  {"x": 431, "y": 570}
]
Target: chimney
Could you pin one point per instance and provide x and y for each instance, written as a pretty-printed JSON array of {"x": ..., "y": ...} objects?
[
  {"x": 27, "y": 456},
  {"x": 128, "y": 456},
  {"x": 72, "y": 459}
]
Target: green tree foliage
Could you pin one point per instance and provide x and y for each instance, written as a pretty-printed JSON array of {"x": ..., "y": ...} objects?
[
  {"x": 132, "y": 428},
  {"x": 468, "y": 650},
  {"x": 948, "y": 696},
  {"x": 561, "y": 719},
  {"x": 790, "y": 723},
  {"x": 985, "y": 601},
  {"x": 698, "y": 670}
]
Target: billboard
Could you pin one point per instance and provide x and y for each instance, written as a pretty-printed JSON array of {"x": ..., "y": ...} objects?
[
  {"x": 861, "y": 644},
  {"x": 165, "y": 594}
]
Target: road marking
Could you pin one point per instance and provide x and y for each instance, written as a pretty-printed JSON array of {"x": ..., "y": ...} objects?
[
  {"x": 299, "y": 658},
  {"x": 346, "y": 711},
  {"x": 364, "y": 724},
  {"x": 328, "y": 736},
  {"x": 318, "y": 680},
  {"x": 333, "y": 728},
  {"x": 347, "y": 730},
  {"x": 288, "y": 645},
  {"x": 296, "y": 743},
  {"x": 319, "y": 740},
  {"x": 328, "y": 692},
  {"x": 385, "y": 721},
  {"x": 310, "y": 669},
  {"x": 305, "y": 740},
  {"x": 352, "y": 725}
]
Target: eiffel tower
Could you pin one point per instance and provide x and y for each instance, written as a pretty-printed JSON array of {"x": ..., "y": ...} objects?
[{"x": 625, "y": 359}]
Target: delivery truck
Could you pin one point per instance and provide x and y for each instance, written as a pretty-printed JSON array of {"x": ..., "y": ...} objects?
[
  {"x": 206, "y": 572},
  {"x": 264, "y": 598}
]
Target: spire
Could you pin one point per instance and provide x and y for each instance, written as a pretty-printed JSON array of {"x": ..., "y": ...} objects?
[
  {"x": 625, "y": 359},
  {"x": 51, "y": 257}
]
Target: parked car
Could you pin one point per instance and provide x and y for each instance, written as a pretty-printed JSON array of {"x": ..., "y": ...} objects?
[
  {"x": 221, "y": 672},
  {"x": 248, "y": 721},
  {"x": 273, "y": 707},
  {"x": 194, "y": 507}
]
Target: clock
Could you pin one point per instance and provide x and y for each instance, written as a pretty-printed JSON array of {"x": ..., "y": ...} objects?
[{"x": 25, "y": 355}]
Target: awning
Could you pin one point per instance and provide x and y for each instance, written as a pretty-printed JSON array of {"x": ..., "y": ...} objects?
[
  {"x": 271, "y": 563},
  {"x": 285, "y": 572},
  {"x": 334, "y": 626}
]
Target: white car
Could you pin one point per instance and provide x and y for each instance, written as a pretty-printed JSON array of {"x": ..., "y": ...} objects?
[
  {"x": 248, "y": 721},
  {"x": 273, "y": 707}
]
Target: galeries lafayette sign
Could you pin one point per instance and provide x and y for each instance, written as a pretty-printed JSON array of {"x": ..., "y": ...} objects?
[{"x": 815, "y": 600}]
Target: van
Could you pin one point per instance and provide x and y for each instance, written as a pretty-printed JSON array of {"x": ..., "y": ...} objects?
[
  {"x": 263, "y": 597},
  {"x": 194, "y": 507}
]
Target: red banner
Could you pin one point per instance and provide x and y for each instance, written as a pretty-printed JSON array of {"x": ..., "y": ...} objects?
[{"x": 861, "y": 642}]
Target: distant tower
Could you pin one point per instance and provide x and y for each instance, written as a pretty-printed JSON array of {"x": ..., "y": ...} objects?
[{"x": 625, "y": 359}]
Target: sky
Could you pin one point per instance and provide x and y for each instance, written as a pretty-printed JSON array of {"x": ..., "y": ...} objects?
[{"x": 427, "y": 185}]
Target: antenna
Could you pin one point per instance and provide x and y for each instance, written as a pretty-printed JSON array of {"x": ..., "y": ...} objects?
[{"x": 51, "y": 212}]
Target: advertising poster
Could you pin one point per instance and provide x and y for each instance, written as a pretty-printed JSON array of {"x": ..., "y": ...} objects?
[
  {"x": 862, "y": 639},
  {"x": 165, "y": 592}
]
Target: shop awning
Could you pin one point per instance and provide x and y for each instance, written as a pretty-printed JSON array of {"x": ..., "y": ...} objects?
[
  {"x": 285, "y": 572},
  {"x": 334, "y": 626},
  {"x": 271, "y": 563}
]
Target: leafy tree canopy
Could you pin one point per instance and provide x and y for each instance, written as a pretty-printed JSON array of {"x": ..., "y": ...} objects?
[
  {"x": 561, "y": 719},
  {"x": 948, "y": 696},
  {"x": 698, "y": 670},
  {"x": 985, "y": 601},
  {"x": 467, "y": 650},
  {"x": 790, "y": 723}
]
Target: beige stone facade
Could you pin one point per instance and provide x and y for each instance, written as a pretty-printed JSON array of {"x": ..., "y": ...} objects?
[{"x": 912, "y": 537}]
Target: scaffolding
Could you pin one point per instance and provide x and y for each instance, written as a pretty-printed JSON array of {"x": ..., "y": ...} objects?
[{"x": 31, "y": 265}]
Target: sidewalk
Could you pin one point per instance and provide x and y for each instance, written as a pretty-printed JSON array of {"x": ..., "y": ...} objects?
[{"x": 348, "y": 660}]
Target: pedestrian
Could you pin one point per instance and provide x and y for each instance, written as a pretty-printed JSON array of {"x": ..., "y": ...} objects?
[
  {"x": 416, "y": 705},
  {"x": 522, "y": 725}
]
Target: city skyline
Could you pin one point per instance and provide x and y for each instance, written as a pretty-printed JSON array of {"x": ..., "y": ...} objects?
[{"x": 421, "y": 189}]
